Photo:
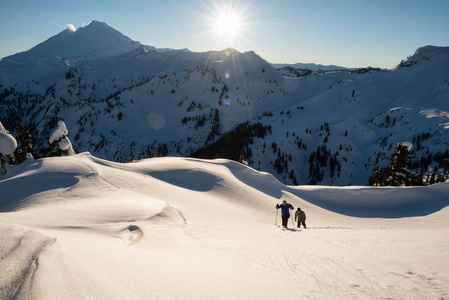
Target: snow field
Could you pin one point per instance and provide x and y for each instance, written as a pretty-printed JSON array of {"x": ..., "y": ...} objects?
[{"x": 170, "y": 228}]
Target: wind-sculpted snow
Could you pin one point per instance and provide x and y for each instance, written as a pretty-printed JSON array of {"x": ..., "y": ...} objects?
[
  {"x": 381, "y": 202},
  {"x": 38, "y": 180},
  {"x": 19, "y": 254},
  {"x": 171, "y": 228},
  {"x": 26, "y": 188},
  {"x": 194, "y": 180}
]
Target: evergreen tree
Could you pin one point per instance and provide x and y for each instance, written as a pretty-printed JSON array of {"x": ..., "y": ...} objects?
[
  {"x": 433, "y": 176},
  {"x": 25, "y": 144},
  {"x": 398, "y": 173},
  {"x": 377, "y": 177},
  {"x": 417, "y": 180}
]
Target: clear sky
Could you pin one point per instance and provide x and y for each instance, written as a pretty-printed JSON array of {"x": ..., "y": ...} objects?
[{"x": 350, "y": 33}]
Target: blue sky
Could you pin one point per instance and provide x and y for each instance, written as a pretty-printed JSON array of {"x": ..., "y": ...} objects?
[{"x": 351, "y": 33}]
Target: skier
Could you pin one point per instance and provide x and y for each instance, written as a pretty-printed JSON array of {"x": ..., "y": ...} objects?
[
  {"x": 285, "y": 212},
  {"x": 301, "y": 216}
]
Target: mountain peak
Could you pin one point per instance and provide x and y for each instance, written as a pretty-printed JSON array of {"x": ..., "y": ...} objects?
[
  {"x": 97, "y": 23},
  {"x": 97, "y": 40},
  {"x": 229, "y": 52}
]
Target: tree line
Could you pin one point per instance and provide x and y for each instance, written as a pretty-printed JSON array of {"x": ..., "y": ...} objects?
[{"x": 398, "y": 173}]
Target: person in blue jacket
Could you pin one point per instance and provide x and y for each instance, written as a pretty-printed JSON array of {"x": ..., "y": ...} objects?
[{"x": 285, "y": 212}]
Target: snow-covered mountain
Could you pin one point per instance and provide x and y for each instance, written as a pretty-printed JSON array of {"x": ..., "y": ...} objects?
[
  {"x": 301, "y": 69},
  {"x": 92, "y": 42},
  {"x": 122, "y": 100}
]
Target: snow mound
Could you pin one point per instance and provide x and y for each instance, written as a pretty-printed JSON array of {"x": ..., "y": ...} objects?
[{"x": 187, "y": 228}]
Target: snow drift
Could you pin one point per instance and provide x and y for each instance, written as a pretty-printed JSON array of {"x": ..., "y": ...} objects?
[{"x": 80, "y": 227}]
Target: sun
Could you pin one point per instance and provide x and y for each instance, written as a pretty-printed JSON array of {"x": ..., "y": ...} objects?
[{"x": 227, "y": 24}]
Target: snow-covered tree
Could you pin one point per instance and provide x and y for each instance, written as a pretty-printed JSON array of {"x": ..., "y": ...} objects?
[
  {"x": 59, "y": 137},
  {"x": 8, "y": 145}
]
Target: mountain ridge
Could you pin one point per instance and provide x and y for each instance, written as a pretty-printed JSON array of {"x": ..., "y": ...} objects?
[{"x": 322, "y": 127}]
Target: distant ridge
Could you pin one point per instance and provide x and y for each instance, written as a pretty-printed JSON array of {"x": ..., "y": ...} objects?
[{"x": 310, "y": 66}]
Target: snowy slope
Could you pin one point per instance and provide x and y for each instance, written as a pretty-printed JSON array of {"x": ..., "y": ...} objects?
[
  {"x": 169, "y": 228},
  {"x": 122, "y": 100},
  {"x": 42, "y": 65},
  {"x": 95, "y": 41}
]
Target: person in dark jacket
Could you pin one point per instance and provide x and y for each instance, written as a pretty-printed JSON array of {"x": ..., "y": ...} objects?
[
  {"x": 301, "y": 216},
  {"x": 285, "y": 212}
]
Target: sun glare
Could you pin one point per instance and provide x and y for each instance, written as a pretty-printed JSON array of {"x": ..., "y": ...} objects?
[{"x": 227, "y": 24}]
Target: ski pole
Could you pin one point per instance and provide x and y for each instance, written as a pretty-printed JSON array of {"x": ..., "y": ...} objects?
[{"x": 275, "y": 223}]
